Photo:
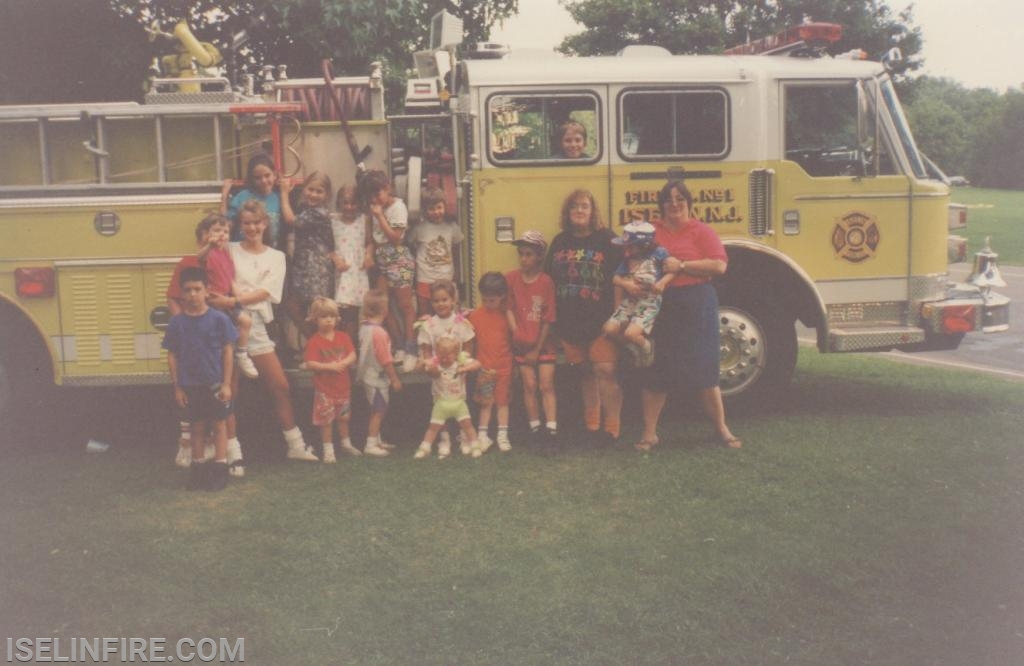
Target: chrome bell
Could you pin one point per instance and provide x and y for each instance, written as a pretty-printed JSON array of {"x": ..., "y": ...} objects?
[{"x": 985, "y": 273}]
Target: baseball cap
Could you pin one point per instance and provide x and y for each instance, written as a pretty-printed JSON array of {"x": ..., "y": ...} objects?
[
  {"x": 533, "y": 238},
  {"x": 635, "y": 233}
]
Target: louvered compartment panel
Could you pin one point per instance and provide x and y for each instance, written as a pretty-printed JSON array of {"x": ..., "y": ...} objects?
[
  {"x": 85, "y": 318},
  {"x": 122, "y": 306}
]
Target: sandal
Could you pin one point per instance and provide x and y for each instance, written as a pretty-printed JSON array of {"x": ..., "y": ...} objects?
[
  {"x": 646, "y": 445},
  {"x": 731, "y": 442}
]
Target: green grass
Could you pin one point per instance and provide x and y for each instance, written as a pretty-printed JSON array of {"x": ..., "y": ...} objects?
[
  {"x": 995, "y": 213},
  {"x": 874, "y": 518}
]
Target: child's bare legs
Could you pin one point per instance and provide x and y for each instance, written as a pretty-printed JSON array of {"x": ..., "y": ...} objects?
[
  {"x": 634, "y": 333},
  {"x": 484, "y": 423},
  {"x": 243, "y": 322},
  {"x": 423, "y": 305},
  {"x": 407, "y": 308},
  {"x": 428, "y": 440},
  {"x": 528, "y": 373},
  {"x": 220, "y": 441},
  {"x": 199, "y": 430},
  {"x": 613, "y": 329},
  {"x": 469, "y": 435},
  {"x": 546, "y": 375}
]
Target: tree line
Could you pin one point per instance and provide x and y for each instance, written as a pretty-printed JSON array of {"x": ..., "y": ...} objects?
[{"x": 98, "y": 50}]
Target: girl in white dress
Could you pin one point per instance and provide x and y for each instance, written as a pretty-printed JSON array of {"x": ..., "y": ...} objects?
[{"x": 353, "y": 257}]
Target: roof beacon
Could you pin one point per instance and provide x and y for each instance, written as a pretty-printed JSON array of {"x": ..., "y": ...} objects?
[{"x": 806, "y": 39}]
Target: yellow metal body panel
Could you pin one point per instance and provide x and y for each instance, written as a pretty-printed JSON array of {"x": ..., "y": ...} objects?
[
  {"x": 829, "y": 244},
  {"x": 929, "y": 230}
]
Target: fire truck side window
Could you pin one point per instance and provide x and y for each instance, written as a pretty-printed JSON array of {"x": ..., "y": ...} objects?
[
  {"x": 659, "y": 124},
  {"x": 821, "y": 128},
  {"x": 527, "y": 129}
]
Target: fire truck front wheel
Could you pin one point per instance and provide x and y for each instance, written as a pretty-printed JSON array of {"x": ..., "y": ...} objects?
[{"x": 758, "y": 348}]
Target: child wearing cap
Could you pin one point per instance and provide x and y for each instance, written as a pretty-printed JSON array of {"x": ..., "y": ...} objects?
[
  {"x": 642, "y": 276},
  {"x": 531, "y": 312}
]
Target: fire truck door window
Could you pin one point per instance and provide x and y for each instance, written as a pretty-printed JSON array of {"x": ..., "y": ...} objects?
[
  {"x": 822, "y": 132},
  {"x": 670, "y": 123},
  {"x": 527, "y": 129}
]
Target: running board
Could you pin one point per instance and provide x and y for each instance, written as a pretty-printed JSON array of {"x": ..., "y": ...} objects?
[{"x": 880, "y": 338}]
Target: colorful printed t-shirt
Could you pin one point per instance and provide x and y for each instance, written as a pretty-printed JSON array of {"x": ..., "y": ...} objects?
[{"x": 582, "y": 270}]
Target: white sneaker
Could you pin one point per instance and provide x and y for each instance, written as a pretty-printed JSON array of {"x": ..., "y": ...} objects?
[
  {"x": 503, "y": 444},
  {"x": 329, "y": 454},
  {"x": 298, "y": 450},
  {"x": 245, "y": 364},
  {"x": 444, "y": 446},
  {"x": 422, "y": 451},
  {"x": 483, "y": 442},
  {"x": 349, "y": 450},
  {"x": 475, "y": 450},
  {"x": 236, "y": 466},
  {"x": 184, "y": 457},
  {"x": 386, "y": 445},
  {"x": 375, "y": 450}
]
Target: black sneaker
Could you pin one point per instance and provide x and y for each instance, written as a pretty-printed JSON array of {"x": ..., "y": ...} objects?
[
  {"x": 217, "y": 476},
  {"x": 197, "y": 475}
]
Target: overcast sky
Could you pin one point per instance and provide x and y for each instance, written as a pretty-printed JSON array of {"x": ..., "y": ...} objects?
[{"x": 979, "y": 43}]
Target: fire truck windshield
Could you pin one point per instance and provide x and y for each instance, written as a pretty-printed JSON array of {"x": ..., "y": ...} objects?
[{"x": 906, "y": 139}]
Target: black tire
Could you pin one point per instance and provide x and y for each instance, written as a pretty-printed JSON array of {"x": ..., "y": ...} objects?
[
  {"x": 758, "y": 349},
  {"x": 26, "y": 379}
]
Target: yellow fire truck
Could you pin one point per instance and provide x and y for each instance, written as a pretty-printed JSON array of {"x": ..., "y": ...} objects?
[{"x": 806, "y": 167}]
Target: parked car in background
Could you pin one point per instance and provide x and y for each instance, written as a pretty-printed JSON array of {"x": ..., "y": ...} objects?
[{"x": 959, "y": 181}]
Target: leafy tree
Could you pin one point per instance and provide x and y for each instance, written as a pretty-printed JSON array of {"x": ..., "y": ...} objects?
[
  {"x": 301, "y": 33},
  {"x": 59, "y": 51},
  {"x": 710, "y": 26}
]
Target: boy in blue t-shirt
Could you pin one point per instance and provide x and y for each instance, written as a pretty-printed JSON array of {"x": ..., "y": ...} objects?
[{"x": 199, "y": 344}]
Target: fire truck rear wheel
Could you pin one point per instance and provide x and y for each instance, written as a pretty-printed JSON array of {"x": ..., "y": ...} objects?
[{"x": 758, "y": 349}]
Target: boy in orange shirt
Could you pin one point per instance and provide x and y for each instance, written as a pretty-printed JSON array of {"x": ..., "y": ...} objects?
[{"x": 494, "y": 352}]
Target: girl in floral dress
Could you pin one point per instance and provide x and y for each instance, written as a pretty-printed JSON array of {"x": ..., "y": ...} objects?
[
  {"x": 311, "y": 273},
  {"x": 352, "y": 257}
]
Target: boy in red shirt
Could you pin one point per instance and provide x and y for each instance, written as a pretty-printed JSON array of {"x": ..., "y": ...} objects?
[
  {"x": 531, "y": 311},
  {"x": 329, "y": 354},
  {"x": 494, "y": 352}
]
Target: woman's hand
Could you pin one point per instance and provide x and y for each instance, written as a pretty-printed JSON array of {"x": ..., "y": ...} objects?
[
  {"x": 286, "y": 186},
  {"x": 672, "y": 265},
  {"x": 225, "y": 189}
]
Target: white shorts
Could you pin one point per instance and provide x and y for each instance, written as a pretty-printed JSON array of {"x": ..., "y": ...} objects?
[{"x": 259, "y": 340}]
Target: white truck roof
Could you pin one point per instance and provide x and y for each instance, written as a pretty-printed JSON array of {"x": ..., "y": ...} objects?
[{"x": 542, "y": 68}]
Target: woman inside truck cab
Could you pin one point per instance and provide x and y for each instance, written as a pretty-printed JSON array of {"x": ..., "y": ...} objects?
[
  {"x": 571, "y": 140},
  {"x": 686, "y": 346}
]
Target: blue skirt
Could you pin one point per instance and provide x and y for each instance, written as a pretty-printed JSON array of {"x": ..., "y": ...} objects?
[{"x": 686, "y": 346}]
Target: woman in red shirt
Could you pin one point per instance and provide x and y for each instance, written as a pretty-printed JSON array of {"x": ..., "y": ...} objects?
[{"x": 686, "y": 344}]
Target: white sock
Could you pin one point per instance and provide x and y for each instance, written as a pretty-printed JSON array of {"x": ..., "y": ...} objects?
[
  {"x": 372, "y": 442},
  {"x": 292, "y": 435},
  {"x": 552, "y": 426},
  {"x": 346, "y": 442},
  {"x": 502, "y": 430},
  {"x": 534, "y": 424}
]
